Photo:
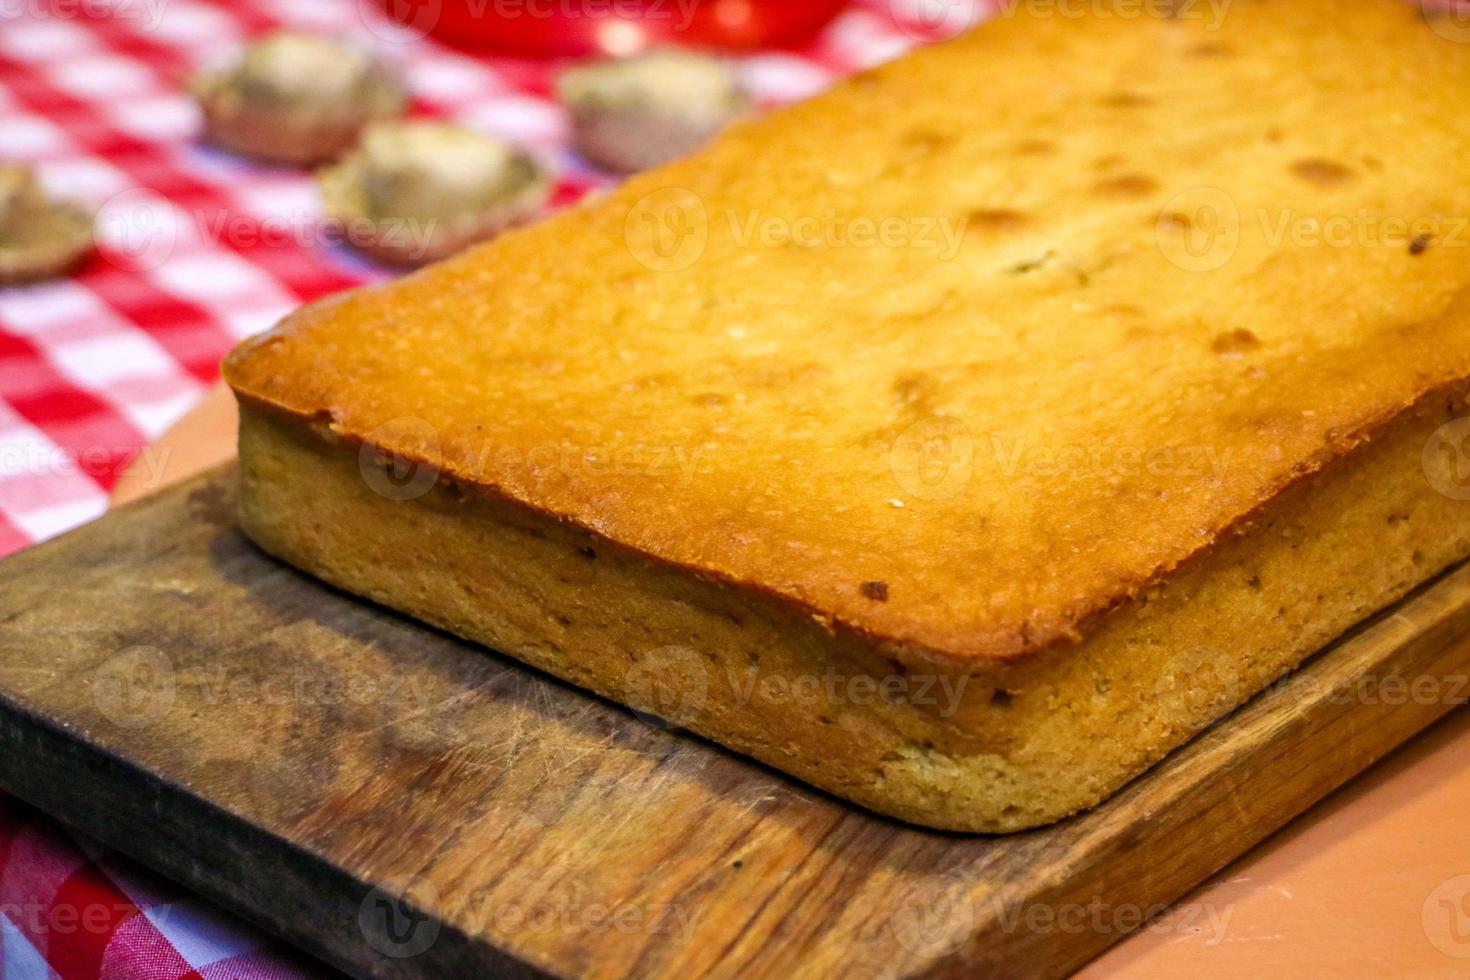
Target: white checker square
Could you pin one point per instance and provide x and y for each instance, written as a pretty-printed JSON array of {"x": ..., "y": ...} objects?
[
  {"x": 451, "y": 80},
  {"x": 215, "y": 54},
  {"x": 783, "y": 78},
  {"x": 242, "y": 323},
  {"x": 45, "y": 40},
  {"x": 84, "y": 178},
  {"x": 153, "y": 418},
  {"x": 47, "y": 522},
  {"x": 141, "y": 230},
  {"x": 296, "y": 201},
  {"x": 201, "y": 937},
  {"x": 387, "y": 33},
  {"x": 19, "y": 959},
  {"x": 229, "y": 287},
  {"x": 211, "y": 275},
  {"x": 214, "y": 165},
  {"x": 863, "y": 39},
  {"x": 192, "y": 25},
  {"x": 104, "y": 76},
  {"x": 98, "y": 361},
  {"x": 520, "y": 118},
  {"x": 30, "y": 311},
  {"x": 143, "y": 16},
  {"x": 37, "y": 475},
  {"x": 29, "y": 137},
  {"x": 163, "y": 118},
  {"x": 331, "y": 18}
]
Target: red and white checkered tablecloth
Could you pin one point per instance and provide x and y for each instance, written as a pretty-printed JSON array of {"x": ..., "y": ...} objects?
[{"x": 198, "y": 249}]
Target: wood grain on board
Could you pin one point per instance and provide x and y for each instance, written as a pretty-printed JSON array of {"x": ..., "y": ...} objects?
[{"x": 406, "y": 805}]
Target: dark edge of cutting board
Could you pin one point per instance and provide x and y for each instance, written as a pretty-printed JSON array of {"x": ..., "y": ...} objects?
[
  {"x": 261, "y": 876},
  {"x": 1188, "y": 817}
]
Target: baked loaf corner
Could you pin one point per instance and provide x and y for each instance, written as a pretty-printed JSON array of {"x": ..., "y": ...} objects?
[{"x": 1142, "y": 435}]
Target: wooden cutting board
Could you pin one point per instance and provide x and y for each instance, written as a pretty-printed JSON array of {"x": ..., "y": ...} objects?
[{"x": 405, "y": 805}]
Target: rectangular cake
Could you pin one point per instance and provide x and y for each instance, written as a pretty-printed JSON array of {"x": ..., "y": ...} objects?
[{"x": 960, "y": 441}]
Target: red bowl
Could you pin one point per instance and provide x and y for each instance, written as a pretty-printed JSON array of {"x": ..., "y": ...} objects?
[{"x": 581, "y": 27}]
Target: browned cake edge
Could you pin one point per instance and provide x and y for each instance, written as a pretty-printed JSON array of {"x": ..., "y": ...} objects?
[{"x": 997, "y": 746}]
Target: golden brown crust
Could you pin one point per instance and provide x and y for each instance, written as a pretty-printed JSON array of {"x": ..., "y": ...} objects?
[{"x": 1014, "y": 431}]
